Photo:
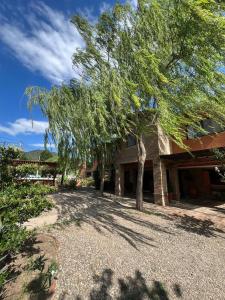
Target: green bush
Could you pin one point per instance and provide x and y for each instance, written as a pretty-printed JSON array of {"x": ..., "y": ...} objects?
[
  {"x": 47, "y": 171},
  {"x": 7, "y": 154},
  {"x": 87, "y": 182},
  {"x": 18, "y": 203},
  {"x": 70, "y": 183},
  {"x": 25, "y": 170}
]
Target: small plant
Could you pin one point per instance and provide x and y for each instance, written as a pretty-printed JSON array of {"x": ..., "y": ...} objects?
[
  {"x": 51, "y": 272},
  {"x": 37, "y": 264},
  {"x": 43, "y": 280}
]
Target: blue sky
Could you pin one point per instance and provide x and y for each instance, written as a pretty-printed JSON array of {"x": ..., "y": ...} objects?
[{"x": 37, "y": 41}]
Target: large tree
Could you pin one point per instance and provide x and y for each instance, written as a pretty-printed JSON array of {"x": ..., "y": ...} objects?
[
  {"x": 83, "y": 120},
  {"x": 159, "y": 64},
  {"x": 170, "y": 54}
]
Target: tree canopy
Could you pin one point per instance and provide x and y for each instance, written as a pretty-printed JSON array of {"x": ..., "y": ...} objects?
[
  {"x": 158, "y": 64},
  {"x": 169, "y": 56}
]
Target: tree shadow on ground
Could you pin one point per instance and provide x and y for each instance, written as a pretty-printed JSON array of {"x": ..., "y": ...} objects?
[
  {"x": 24, "y": 275},
  {"x": 37, "y": 289},
  {"x": 202, "y": 227},
  {"x": 31, "y": 246},
  {"x": 219, "y": 209},
  {"x": 130, "y": 288},
  {"x": 14, "y": 269},
  {"x": 105, "y": 214}
]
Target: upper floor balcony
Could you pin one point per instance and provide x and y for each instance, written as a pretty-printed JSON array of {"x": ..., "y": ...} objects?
[{"x": 197, "y": 141}]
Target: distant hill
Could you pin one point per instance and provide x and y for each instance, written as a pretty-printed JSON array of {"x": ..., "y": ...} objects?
[
  {"x": 35, "y": 155},
  {"x": 54, "y": 158}
]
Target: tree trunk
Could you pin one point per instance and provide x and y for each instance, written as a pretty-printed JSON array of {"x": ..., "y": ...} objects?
[
  {"x": 141, "y": 167},
  {"x": 63, "y": 176},
  {"x": 62, "y": 179},
  {"x": 102, "y": 174}
]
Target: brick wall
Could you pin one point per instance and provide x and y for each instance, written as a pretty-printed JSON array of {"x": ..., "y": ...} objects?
[{"x": 155, "y": 143}]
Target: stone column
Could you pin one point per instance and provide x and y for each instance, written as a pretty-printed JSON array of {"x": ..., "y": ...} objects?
[
  {"x": 119, "y": 181},
  {"x": 160, "y": 182},
  {"x": 174, "y": 181}
]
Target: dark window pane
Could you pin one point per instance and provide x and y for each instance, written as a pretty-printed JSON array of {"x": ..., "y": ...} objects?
[
  {"x": 211, "y": 127},
  {"x": 131, "y": 141}
]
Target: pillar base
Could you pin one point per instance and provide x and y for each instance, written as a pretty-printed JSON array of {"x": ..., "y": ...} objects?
[
  {"x": 161, "y": 199},
  {"x": 160, "y": 182},
  {"x": 119, "y": 184}
]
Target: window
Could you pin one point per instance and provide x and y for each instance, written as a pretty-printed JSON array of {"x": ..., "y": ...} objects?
[
  {"x": 192, "y": 133},
  {"x": 211, "y": 127},
  {"x": 131, "y": 141},
  {"x": 208, "y": 125}
]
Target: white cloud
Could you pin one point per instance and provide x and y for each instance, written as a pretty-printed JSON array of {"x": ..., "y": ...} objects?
[
  {"x": 24, "y": 126},
  {"x": 133, "y": 3},
  {"x": 43, "y": 145},
  {"x": 44, "y": 41},
  {"x": 88, "y": 13},
  {"x": 105, "y": 7}
]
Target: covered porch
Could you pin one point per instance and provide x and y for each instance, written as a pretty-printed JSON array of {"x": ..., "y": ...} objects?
[
  {"x": 193, "y": 178},
  {"x": 182, "y": 178},
  {"x": 154, "y": 181}
]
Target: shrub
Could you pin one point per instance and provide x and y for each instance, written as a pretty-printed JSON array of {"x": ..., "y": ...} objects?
[
  {"x": 70, "y": 183},
  {"x": 86, "y": 182},
  {"x": 24, "y": 170},
  {"x": 47, "y": 171},
  {"x": 7, "y": 154},
  {"x": 18, "y": 203}
]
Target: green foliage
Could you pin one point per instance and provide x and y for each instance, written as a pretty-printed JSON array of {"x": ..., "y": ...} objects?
[
  {"x": 24, "y": 170},
  {"x": 7, "y": 154},
  {"x": 18, "y": 203},
  {"x": 87, "y": 182},
  {"x": 54, "y": 159},
  {"x": 33, "y": 155},
  {"x": 47, "y": 171},
  {"x": 169, "y": 54},
  {"x": 51, "y": 272},
  {"x": 156, "y": 66},
  {"x": 37, "y": 264},
  {"x": 42, "y": 282},
  {"x": 70, "y": 183},
  {"x": 45, "y": 155},
  {"x": 219, "y": 156},
  {"x": 25, "y": 190}
]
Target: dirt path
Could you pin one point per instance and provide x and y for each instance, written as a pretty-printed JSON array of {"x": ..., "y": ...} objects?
[{"x": 107, "y": 250}]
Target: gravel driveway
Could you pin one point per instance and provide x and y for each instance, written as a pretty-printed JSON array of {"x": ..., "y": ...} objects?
[{"x": 110, "y": 251}]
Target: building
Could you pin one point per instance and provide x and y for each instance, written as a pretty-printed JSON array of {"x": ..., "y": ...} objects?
[
  {"x": 172, "y": 173},
  {"x": 48, "y": 179}
]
